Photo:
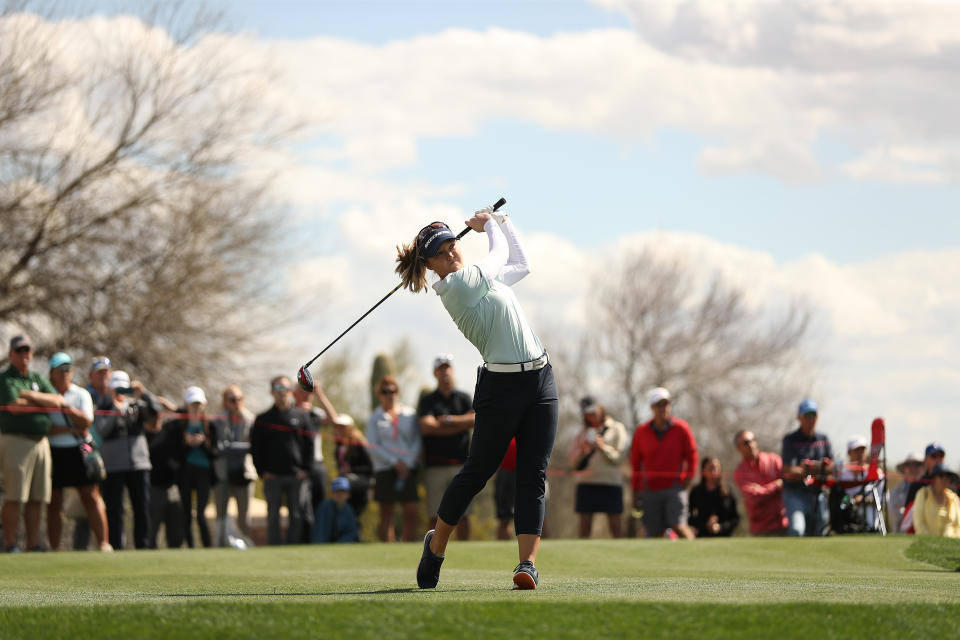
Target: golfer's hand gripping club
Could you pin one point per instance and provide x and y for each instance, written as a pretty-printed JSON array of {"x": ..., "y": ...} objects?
[{"x": 305, "y": 378}]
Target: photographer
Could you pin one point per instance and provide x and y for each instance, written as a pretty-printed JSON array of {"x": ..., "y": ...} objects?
[
  {"x": 807, "y": 467},
  {"x": 127, "y": 456},
  {"x": 596, "y": 455}
]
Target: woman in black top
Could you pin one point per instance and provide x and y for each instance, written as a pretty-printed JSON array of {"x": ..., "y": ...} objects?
[{"x": 713, "y": 509}]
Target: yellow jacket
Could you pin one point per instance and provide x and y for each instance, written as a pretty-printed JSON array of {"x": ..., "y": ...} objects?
[{"x": 934, "y": 519}]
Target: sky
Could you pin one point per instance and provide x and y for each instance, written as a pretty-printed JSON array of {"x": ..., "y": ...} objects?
[{"x": 805, "y": 149}]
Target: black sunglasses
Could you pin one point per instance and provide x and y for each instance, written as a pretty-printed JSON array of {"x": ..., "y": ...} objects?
[
  {"x": 388, "y": 391},
  {"x": 23, "y": 349}
]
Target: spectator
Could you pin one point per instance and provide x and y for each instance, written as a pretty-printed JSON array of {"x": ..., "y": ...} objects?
[
  {"x": 195, "y": 434},
  {"x": 281, "y": 443},
  {"x": 860, "y": 494},
  {"x": 126, "y": 455},
  {"x": 353, "y": 461},
  {"x": 394, "y": 437},
  {"x": 235, "y": 470},
  {"x": 99, "y": 382},
  {"x": 597, "y": 454},
  {"x": 505, "y": 491},
  {"x": 760, "y": 479},
  {"x": 663, "y": 457},
  {"x": 933, "y": 456},
  {"x": 936, "y": 511},
  {"x": 163, "y": 441},
  {"x": 713, "y": 509},
  {"x": 68, "y": 432},
  {"x": 318, "y": 473},
  {"x": 335, "y": 520},
  {"x": 807, "y": 468},
  {"x": 24, "y": 450},
  {"x": 910, "y": 468},
  {"x": 98, "y": 377},
  {"x": 446, "y": 418}
]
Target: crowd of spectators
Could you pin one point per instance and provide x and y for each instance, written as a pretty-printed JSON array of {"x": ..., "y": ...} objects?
[{"x": 117, "y": 444}]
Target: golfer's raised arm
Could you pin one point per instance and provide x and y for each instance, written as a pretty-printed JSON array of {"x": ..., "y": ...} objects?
[
  {"x": 491, "y": 265},
  {"x": 517, "y": 267}
]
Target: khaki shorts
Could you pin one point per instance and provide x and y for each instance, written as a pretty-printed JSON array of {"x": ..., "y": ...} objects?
[
  {"x": 26, "y": 465},
  {"x": 436, "y": 480}
]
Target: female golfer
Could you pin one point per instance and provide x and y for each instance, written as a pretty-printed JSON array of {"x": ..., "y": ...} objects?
[{"x": 516, "y": 395}]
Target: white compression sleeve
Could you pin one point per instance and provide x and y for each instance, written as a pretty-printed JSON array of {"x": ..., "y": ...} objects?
[
  {"x": 494, "y": 261},
  {"x": 517, "y": 266}
]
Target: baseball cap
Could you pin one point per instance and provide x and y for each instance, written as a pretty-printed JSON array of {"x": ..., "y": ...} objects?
[
  {"x": 431, "y": 237},
  {"x": 442, "y": 359},
  {"x": 856, "y": 442},
  {"x": 343, "y": 419},
  {"x": 59, "y": 359},
  {"x": 340, "y": 484},
  {"x": 807, "y": 406},
  {"x": 21, "y": 340},
  {"x": 910, "y": 459},
  {"x": 100, "y": 362},
  {"x": 119, "y": 380},
  {"x": 932, "y": 448},
  {"x": 658, "y": 394},
  {"x": 194, "y": 394}
]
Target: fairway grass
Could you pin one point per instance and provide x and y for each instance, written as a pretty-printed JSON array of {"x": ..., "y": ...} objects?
[{"x": 839, "y": 587}]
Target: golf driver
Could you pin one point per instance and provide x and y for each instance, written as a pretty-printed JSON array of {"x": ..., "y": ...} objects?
[{"x": 305, "y": 378}]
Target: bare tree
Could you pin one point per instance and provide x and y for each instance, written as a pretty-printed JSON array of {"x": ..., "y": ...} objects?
[
  {"x": 130, "y": 223},
  {"x": 727, "y": 365}
]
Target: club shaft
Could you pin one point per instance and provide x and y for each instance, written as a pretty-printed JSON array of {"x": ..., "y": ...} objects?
[
  {"x": 496, "y": 206},
  {"x": 392, "y": 291}
]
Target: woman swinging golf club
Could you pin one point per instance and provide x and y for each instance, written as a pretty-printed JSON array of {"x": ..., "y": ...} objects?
[{"x": 516, "y": 395}]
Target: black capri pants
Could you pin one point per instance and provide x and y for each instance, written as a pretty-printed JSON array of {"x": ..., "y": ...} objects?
[{"x": 507, "y": 405}]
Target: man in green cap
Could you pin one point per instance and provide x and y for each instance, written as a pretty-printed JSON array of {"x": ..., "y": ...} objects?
[{"x": 24, "y": 450}]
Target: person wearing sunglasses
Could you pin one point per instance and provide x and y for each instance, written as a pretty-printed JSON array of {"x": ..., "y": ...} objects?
[
  {"x": 281, "y": 443},
  {"x": 759, "y": 477},
  {"x": 515, "y": 395},
  {"x": 235, "y": 467},
  {"x": 393, "y": 435}
]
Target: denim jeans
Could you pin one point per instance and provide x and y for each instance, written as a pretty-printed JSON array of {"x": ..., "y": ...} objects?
[{"x": 807, "y": 513}]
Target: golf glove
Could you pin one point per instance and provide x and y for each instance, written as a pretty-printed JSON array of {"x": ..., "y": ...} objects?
[{"x": 496, "y": 215}]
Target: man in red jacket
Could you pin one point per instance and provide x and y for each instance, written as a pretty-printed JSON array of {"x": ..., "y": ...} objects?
[{"x": 664, "y": 461}]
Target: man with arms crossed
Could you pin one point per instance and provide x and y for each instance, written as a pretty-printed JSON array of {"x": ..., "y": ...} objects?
[
  {"x": 445, "y": 417},
  {"x": 24, "y": 451}
]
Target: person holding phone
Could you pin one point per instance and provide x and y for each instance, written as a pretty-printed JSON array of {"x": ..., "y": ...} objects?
[
  {"x": 126, "y": 456},
  {"x": 596, "y": 456}
]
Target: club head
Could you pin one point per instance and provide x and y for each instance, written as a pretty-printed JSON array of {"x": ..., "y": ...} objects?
[{"x": 305, "y": 380}]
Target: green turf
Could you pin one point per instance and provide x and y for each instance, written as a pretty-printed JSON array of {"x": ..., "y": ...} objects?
[
  {"x": 745, "y": 587},
  {"x": 942, "y": 552}
]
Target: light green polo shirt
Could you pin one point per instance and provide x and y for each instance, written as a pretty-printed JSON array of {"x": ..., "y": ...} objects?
[
  {"x": 488, "y": 313},
  {"x": 11, "y": 383}
]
